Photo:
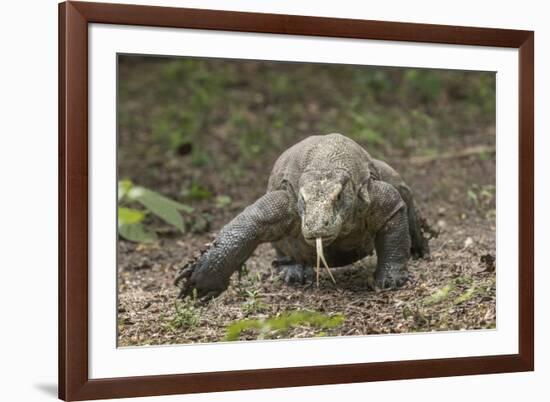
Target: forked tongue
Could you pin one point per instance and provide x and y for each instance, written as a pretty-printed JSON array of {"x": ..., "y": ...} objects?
[{"x": 321, "y": 257}]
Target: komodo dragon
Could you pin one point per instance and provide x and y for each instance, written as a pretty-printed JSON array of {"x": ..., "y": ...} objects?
[{"x": 326, "y": 198}]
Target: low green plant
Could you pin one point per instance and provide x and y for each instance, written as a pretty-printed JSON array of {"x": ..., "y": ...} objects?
[
  {"x": 130, "y": 219},
  {"x": 464, "y": 297},
  {"x": 439, "y": 295},
  {"x": 196, "y": 192},
  {"x": 273, "y": 326},
  {"x": 481, "y": 197},
  {"x": 186, "y": 315},
  {"x": 254, "y": 303}
]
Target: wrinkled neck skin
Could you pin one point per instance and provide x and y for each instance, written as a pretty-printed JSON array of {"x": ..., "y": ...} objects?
[{"x": 328, "y": 205}]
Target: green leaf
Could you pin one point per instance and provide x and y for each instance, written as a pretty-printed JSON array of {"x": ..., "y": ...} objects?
[
  {"x": 136, "y": 232},
  {"x": 223, "y": 201},
  {"x": 164, "y": 208},
  {"x": 124, "y": 187},
  {"x": 128, "y": 216},
  {"x": 139, "y": 192},
  {"x": 234, "y": 330},
  {"x": 196, "y": 192},
  {"x": 472, "y": 195},
  {"x": 283, "y": 323}
]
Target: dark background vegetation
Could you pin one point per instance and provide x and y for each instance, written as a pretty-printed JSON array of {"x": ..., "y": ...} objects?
[
  {"x": 226, "y": 116},
  {"x": 206, "y": 132}
]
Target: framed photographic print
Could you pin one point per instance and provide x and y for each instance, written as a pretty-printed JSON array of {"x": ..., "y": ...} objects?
[{"x": 258, "y": 200}]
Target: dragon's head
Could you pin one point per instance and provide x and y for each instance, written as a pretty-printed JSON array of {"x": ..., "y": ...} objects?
[{"x": 325, "y": 203}]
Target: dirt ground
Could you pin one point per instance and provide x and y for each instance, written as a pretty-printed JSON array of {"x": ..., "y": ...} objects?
[
  {"x": 207, "y": 132},
  {"x": 453, "y": 289}
]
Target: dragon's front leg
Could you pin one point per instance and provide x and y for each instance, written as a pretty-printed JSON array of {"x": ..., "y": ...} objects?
[{"x": 267, "y": 220}]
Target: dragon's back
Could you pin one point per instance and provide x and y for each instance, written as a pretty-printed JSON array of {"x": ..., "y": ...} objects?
[{"x": 320, "y": 152}]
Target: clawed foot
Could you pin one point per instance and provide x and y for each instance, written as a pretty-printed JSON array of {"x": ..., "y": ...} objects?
[
  {"x": 390, "y": 276},
  {"x": 195, "y": 280},
  {"x": 293, "y": 274}
]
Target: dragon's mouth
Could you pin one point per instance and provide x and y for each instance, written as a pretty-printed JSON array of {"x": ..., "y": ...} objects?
[
  {"x": 321, "y": 257},
  {"x": 312, "y": 241}
]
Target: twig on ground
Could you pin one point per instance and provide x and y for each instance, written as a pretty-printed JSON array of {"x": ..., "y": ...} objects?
[{"x": 470, "y": 151}]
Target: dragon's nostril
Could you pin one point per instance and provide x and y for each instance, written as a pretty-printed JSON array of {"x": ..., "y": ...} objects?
[{"x": 326, "y": 222}]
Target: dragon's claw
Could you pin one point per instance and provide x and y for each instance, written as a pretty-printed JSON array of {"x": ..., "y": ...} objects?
[
  {"x": 199, "y": 279},
  {"x": 184, "y": 279},
  {"x": 296, "y": 274},
  {"x": 184, "y": 274},
  {"x": 391, "y": 276}
]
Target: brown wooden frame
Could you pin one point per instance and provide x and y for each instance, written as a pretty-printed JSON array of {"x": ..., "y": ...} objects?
[{"x": 74, "y": 18}]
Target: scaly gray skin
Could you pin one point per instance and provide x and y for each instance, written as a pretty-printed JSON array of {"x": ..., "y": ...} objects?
[{"x": 324, "y": 186}]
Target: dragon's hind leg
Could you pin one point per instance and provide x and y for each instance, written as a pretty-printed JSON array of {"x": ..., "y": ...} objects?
[
  {"x": 291, "y": 272},
  {"x": 417, "y": 225},
  {"x": 419, "y": 230}
]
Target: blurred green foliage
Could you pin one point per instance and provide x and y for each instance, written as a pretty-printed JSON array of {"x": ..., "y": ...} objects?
[
  {"x": 223, "y": 114},
  {"x": 277, "y": 326},
  {"x": 130, "y": 220},
  {"x": 196, "y": 192}
]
